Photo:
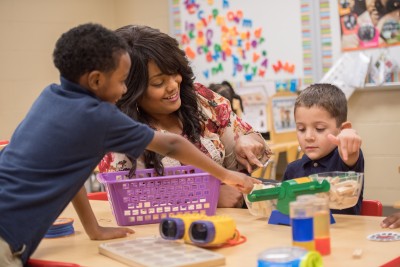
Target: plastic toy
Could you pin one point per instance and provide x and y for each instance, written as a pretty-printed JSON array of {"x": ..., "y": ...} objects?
[
  {"x": 200, "y": 230},
  {"x": 177, "y": 226},
  {"x": 151, "y": 251},
  {"x": 287, "y": 192},
  {"x": 147, "y": 198}
]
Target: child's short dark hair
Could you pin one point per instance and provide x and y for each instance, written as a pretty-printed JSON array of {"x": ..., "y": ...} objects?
[
  {"x": 326, "y": 96},
  {"x": 86, "y": 48}
]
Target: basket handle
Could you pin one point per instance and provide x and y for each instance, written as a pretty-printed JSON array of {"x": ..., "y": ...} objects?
[{"x": 99, "y": 177}]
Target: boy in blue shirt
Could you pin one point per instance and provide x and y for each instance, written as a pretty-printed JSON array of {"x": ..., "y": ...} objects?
[
  {"x": 325, "y": 136},
  {"x": 66, "y": 133}
]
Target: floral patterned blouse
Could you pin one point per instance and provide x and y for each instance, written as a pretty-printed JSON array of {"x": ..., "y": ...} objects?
[{"x": 222, "y": 130}]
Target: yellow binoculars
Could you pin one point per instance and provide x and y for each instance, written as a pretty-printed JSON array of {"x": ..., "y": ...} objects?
[{"x": 198, "y": 229}]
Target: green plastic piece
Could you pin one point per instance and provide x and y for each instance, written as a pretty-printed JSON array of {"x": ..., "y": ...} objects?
[
  {"x": 288, "y": 192},
  {"x": 311, "y": 259}
]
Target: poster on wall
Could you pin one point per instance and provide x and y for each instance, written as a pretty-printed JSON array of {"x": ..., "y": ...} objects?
[
  {"x": 283, "y": 114},
  {"x": 254, "y": 98},
  {"x": 369, "y": 23}
]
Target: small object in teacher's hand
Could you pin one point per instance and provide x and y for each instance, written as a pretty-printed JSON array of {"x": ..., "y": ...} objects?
[
  {"x": 266, "y": 181},
  {"x": 263, "y": 168},
  {"x": 61, "y": 227},
  {"x": 384, "y": 237}
]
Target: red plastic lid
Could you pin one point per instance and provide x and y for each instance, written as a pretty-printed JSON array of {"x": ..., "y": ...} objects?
[{"x": 3, "y": 142}]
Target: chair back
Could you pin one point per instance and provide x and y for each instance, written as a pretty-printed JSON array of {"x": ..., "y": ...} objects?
[
  {"x": 45, "y": 263},
  {"x": 97, "y": 196},
  {"x": 3, "y": 143},
  {"x": 371, "y": 208}
]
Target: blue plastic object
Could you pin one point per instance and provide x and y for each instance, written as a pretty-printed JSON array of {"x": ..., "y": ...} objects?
[{"x": 279, "y": 218}]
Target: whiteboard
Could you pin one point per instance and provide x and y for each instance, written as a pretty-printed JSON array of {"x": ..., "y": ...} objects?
[{"x": 240, "y": 41}]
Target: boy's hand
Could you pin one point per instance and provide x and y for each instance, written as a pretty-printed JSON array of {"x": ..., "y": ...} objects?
[
  {"x": 240, "y": 180},
  {"x": 105, "y": 233},
  {"x": 89, "y": 222},
  {"x": 229, "y": 197},
  {"x": 393, "y": 221},
  {"x": 349, "y": 143}
]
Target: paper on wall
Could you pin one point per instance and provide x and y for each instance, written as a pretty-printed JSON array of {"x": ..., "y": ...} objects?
[
  {"x": 382, "y": 68},
  {"x": 254, "y": 98},
  {"x": 349, "y": 72}
]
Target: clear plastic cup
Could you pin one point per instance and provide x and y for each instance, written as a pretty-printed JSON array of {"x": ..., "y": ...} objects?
[{"x": 345, "y": 188}]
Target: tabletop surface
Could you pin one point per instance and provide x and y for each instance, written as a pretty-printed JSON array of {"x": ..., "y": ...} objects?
[{"x": 347, "y": 234}]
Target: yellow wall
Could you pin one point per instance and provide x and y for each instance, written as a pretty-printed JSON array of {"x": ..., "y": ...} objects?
[{"x": 29, "y": 30}]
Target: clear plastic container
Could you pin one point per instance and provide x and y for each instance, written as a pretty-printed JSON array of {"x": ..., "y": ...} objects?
[
  {"x": 322, "y": 224},
  {"x": 345, "y": 188},
  {"x": 289, "y": 256},
  {"x": 302, "y": 221},
  {"x": 261, "y": 208}
]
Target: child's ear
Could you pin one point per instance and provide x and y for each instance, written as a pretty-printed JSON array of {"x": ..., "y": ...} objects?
[
  {"x": 95, "y": 80},
  {"x": 346, "y": 125}
]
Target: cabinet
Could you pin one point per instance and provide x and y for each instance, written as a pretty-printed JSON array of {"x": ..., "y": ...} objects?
[{"x": 375, "y": 114}]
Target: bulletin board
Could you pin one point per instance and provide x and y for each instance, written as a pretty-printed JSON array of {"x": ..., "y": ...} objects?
[
  {"x": 369, "y": 24},
  {"x": 240, "y": 41},
  {"x": 385, "y": 50}
]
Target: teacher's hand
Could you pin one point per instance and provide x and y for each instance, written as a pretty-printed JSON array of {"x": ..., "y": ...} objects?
[{"x": 251, "y": 151}]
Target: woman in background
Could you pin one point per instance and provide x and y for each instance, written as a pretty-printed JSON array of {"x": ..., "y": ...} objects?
[{"x": 226, "y": 90}]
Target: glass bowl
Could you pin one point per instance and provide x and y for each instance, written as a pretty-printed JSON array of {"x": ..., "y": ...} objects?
[
  {"x": 261, "y": 208},
  {"x": 345, "y": 188}
]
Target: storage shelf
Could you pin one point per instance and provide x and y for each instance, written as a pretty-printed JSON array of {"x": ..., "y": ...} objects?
[{"x": 386, "y": 86}]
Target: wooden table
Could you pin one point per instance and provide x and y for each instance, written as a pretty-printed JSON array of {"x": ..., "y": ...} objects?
[{"x": 349, "y": 233}]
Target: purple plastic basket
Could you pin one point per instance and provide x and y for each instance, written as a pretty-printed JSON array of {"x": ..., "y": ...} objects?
[{"x": 148, "y": 198}]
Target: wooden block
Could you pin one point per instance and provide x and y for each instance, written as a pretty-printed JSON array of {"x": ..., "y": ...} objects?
[
  {"x": 345, "y": 190},
  {"x": 357, "y": 253}
]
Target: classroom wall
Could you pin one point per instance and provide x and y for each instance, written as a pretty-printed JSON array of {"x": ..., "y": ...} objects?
[
  {"x": 29, "y": 30},
  {"x": 154, "y": 13},
  {"x": 375, "y": 115}
]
